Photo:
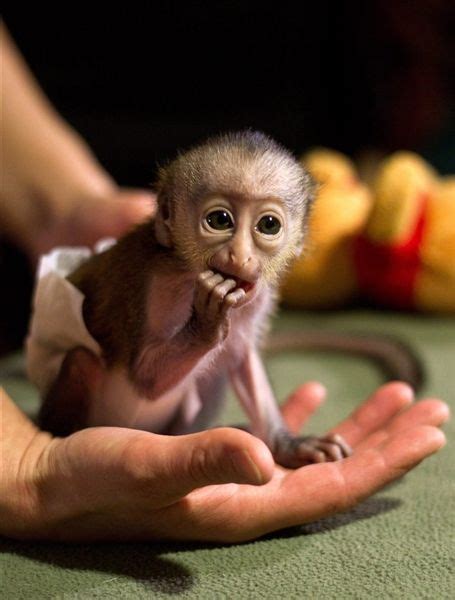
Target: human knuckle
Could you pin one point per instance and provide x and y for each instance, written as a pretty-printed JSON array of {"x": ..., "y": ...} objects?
[{"x": 135, "y": 465}]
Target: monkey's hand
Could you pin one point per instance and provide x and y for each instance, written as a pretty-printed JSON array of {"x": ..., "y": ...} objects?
[
  {"x": 295, "y": 451},
  {"x": 214, "y": 296}
]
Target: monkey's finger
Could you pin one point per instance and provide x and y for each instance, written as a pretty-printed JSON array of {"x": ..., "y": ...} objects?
[
  {"x": 204, "y": 285},
  {"x": 301, "y": 404},
  {"x": 375, "y": 413},
  {"x": 217, "y": 297},
  {"x": 213, "y": 281},
  {"x": 338, "y": 440},
  {"x": 216, "y": 456},
  {"x": 200, "y": 296},
  {"x": 233, "y": 298},
  {"x": 205, "y": 275},
  {"x": 426, "y": 412},
  {"x": 330, "y": 451}
]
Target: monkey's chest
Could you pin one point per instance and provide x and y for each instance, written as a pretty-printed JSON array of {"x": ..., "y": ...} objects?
[
  {"x": 120, "y": 404},
  {"x": 187, "y": 398}
]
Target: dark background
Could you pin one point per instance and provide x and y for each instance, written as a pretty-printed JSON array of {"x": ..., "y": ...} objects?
[
  {"x": 142, "y": 81},
  {"x": 139, "y": 83}
]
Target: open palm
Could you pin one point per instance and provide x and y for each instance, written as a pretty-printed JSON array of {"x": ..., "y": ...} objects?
[{"x": 222, "y": 484}]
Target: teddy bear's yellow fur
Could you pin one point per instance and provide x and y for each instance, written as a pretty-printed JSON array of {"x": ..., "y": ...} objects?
[{"x": 393, "y": 242}]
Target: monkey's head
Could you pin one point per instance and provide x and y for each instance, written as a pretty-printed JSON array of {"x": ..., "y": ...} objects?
[{"x": 237, "y": 204}]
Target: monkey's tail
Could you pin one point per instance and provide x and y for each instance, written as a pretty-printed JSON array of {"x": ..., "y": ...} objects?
[{"x": 396, "y": 359}]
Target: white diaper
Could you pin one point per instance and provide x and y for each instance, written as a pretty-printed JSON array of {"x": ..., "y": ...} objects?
[{"x": 57, "y": 324}]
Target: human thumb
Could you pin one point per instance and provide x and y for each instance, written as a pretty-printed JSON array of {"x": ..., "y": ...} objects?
[
  {"x": 136, "y": 205},
  {"x": 222, "y": 455}
]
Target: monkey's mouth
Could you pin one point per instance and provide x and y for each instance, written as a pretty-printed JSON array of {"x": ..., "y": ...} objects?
[
  {"x": 243, "y": 284},
  {"x": 246, "y": 286}
]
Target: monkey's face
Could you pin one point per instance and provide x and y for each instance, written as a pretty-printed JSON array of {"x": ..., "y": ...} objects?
[
  {"x": 245, "y": 238},
  {"x": 238, "y": 205}
]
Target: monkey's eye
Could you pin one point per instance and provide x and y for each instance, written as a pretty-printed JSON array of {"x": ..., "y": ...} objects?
[
  {"x": 219, "y": 220},
  {"x": 269, "y": 225}
]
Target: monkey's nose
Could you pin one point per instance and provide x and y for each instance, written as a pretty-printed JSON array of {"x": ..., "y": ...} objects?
[{"x": 236, "y": 260}]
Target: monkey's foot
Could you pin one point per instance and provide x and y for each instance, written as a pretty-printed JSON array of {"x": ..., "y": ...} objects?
[{"x": 293, "y": 452}]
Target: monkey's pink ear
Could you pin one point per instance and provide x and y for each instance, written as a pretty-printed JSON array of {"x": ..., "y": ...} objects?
[{"x": 162, "y": 230}]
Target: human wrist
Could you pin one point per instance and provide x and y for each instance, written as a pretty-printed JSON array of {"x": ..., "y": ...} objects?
[
  {"x": 46, "y": 166},
  {"x": 53, "y": 173},
  {"x": 71, "y": 172}
]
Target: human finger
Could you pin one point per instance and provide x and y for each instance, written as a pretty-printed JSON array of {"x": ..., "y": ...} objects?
[
  {"x": 430, "y": 411},
  {"x": 129, "y": 207},
  {"x": 301, "y": 404},
  {"x": 216, "y": 456},
  {"x": 375, "y": 412}
]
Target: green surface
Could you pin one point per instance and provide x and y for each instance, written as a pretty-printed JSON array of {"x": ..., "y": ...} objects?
[{"x": 398, "y": 544}]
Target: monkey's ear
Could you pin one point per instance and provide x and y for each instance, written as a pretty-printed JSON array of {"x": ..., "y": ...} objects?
[
  {"x": 163, "y": 214},
  {"x": 311, "y": 190},
  {"x": 313, "y": 187},
  {"x": 162, "y": 220}
]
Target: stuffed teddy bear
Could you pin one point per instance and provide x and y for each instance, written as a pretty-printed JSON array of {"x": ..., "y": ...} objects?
[{"x": 393, "y": 245}]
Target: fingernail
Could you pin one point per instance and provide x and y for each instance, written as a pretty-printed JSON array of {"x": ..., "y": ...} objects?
[{"x": 244, "y": 464}]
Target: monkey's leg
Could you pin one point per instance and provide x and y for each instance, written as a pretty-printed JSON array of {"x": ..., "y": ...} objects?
[
  {"x": 252, "y": 386},
  {"x": 212, "y": 392},
  {"x": 66, "y": 407}
]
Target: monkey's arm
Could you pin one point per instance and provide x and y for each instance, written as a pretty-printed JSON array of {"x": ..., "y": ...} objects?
[
  {"x": 252, "y": 386},
  {"x": 161, "y": 364}
]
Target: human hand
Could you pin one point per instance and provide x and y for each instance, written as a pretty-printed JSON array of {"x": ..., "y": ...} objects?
[
  {"x": 54, "y": 191},
  {"x": 85, "y": 220},
  {"x": 219, "y": 485}
]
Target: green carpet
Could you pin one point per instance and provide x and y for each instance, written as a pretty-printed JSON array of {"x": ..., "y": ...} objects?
[{"x": 398, "y": 544}]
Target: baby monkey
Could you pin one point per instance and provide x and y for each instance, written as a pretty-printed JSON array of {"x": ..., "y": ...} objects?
[{"x": 179, "y": 305}]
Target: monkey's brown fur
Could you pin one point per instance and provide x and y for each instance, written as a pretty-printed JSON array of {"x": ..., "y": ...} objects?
[{"x": 178, "y": 305}]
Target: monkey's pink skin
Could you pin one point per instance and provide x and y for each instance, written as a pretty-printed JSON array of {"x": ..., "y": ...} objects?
[{"x": 171, "y": 340}]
